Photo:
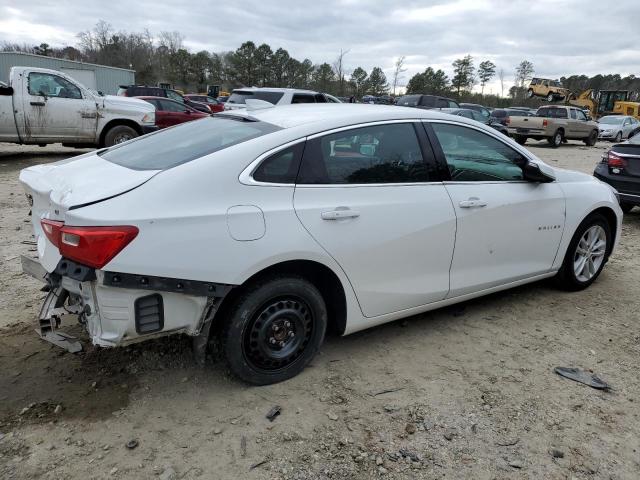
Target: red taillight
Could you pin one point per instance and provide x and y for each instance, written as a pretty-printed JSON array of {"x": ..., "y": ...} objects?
[
  {"x": 507, "y": 120},
  {"x": 545, "y": 123},
  {"x": 91, "y": 246},
  {"x": 615, "y": 161},
  {"x": 51, "y": 229}
]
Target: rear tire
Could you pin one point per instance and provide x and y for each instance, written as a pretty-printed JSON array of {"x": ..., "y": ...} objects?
[
  {"x": 556, "y": 140},
  {"x": 274, "y": 329},
  {"x": 592, "y": 139},
  {"x": 520, "y": 139},
  {"x": 586, "y": 255},
  {"x": 550, "y": 97},
  {"x": 530, "y": 93},
  {"x": 119, "y": 134}
]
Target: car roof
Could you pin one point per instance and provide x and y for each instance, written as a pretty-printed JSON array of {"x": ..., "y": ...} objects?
[
  {"x": 335, "y": 115},
  {"x": 272, "y": 89}
]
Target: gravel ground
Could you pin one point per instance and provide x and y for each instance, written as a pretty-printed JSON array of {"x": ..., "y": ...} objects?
[{"x": 463, "y": 392}]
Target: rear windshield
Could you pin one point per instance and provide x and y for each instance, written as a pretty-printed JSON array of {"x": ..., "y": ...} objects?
[
  {"x": 409, "y": 100},
  {"x": 239, "y": 96},
  {"x": 184, "y": 143},
  {"x": 552, "y": 112}
]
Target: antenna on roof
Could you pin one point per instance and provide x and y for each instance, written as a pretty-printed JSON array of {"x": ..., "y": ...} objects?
[{"x": 255, "y": 104}]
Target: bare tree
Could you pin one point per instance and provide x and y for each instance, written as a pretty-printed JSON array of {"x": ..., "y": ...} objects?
[
  {"x": 398, "y": 71},
  {"x": 338, "y": 68},
  {"x": 501, "y": 77}
]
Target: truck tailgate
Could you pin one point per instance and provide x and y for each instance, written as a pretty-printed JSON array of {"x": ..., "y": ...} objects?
[{"x": 524, "y": 125}]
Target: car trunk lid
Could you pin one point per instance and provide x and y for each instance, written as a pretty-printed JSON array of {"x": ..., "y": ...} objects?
[
  {"x": 630, "y": 159},
  {"x": 55, "y": 188}
]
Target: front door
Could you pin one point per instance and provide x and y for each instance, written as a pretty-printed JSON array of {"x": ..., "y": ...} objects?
[
  {"x": 508, "y": 229},
  {"x": 365, "y": 195},
  {"x": 54, "y": 108}
]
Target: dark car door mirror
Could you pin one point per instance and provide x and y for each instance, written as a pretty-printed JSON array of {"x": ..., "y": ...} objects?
[
  {"x": 532, "y": 173},
  {"x": 6, "y": 91}
]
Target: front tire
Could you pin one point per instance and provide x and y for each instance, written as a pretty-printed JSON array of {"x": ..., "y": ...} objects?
[
  {"x": 119, "y": 134},
  {"x": 275, "y": 327},
  {"x": 618, "y": 138},
  {"x": 587, "y": 253},
  {"x": 556, "y": 140},
  {"x": 530, "y": 93},
  {"x": 550, "y": 97},
  {"x": 592, "y": 139}
]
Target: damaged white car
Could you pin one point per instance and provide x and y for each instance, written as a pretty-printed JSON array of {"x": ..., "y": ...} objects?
[{"x": 267, "y": 227}]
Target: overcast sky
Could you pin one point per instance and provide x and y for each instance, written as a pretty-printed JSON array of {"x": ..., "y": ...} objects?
[{"x": 560, "y": 37}]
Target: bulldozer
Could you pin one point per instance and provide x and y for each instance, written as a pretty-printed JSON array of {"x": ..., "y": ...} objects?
[{"x": 606, "y": 102}]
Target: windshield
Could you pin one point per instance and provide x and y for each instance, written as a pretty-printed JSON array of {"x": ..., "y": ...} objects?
[
  {"x": 611, "y": 120},
  {"x": 240, "y": 96},
  {"x": 184, "y": 143}
]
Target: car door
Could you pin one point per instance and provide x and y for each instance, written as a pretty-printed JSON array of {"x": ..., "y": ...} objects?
[
  {"x": 369, "y": 196},
  {"x": 508, "y": 229},
  {"x": 56, "y": 109},
  {"x": 583, "y": 124}
]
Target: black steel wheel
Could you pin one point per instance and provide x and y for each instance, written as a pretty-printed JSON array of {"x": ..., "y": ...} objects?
[{"x": 274, "y": 329}]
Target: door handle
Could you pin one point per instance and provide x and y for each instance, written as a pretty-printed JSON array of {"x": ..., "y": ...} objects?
[
  {"x": 340, "y": 213},
  {"x": 37, "y": 104},
  {"x": 472, "y": 202}
]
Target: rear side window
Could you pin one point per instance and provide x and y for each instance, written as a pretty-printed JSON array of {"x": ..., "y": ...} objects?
[
  {"x": 303, "y": 98},
  {"x": 377, "y": 154},
  {"x": 184, "y": 143},
  {"x": 281, "y": 167},
  {"x": 552, "y": 112},
  {"x": 573, "y": 114},
  {"x": 240, "y": 96},
  {"x": 409, "y": 100}
]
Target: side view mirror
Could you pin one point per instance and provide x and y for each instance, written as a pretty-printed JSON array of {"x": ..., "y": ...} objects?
[
  {"x": 532, "y": 173},
  {"x": 6, "y": 91},
  {"x": 42, "y": 94},
  {"x": 589, "y": 118}
]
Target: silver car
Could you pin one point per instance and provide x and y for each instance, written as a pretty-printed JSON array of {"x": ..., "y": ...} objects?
[{"x": 617, "y": 127}]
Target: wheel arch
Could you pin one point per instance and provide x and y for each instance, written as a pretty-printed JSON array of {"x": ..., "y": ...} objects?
[
  {"x": 612, "y": 220},
  {"x": 320, "y": 275},
  {"x": 115, "y": 123}
]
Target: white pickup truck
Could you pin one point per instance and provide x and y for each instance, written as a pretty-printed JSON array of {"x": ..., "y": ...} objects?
[{"x": 41, "y": 106}]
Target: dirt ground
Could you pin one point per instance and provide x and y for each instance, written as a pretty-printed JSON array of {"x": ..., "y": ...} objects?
[{"x": 466, "y": 392}]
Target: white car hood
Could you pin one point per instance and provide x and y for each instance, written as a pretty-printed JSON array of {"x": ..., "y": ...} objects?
[{"x": 117, "y": 103}]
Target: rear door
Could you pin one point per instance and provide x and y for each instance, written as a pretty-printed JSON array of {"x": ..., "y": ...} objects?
[
  {"x": 508, "y": 229},
  {"x": 53, "y": 108},
  {"x": 369, "y": 196}
]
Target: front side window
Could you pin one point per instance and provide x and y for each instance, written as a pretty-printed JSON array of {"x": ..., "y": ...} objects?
[
  {"x": 376, "y": 154},
  {"x": 442, "y": 103},
  {"x": 48, "y": 85},
  {"x": 474, "y": 156},
  {"x": 478, "y": 116},
  {"x": 581, "y": 115}
]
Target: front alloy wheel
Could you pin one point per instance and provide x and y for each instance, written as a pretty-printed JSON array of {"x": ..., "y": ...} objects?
[
  {"x": 587, "y": 253},
  {"x": 556, "y": 140}
]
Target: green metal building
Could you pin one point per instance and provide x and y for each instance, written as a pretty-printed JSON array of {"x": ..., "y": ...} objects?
[{"x": 96, "y": 77}]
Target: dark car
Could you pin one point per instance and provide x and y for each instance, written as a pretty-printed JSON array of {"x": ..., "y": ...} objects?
[
  {"x": 146, "y": 91},
  {"x": 214, "y": 105},
  {"x": 426, "y": 102},
  {"x": 477, "y": 108},
  {"x": 478, "y": 117},
  {"x": 620, "y": 168},
  {"x": 171, "y": 112},
  {"x": 500, "y": 115},
  {"x": 223, "y": 98}
]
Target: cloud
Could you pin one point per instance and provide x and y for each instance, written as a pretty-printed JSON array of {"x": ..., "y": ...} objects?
[{"x": 560, "y": 37}]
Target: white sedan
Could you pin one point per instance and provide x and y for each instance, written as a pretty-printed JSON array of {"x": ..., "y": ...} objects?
[{"x": 268, "y": 227}]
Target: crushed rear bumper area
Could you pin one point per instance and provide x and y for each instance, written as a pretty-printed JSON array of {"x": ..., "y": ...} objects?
[{"x": 120, "y": 308}]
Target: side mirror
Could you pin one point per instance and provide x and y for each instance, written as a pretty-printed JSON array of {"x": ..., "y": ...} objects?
[
  {"x": 589, "y": 118},
  {"x": 42, "y": 94},
  {"x": 533, "y": 173},
  {"x": 6, "y": 91}
]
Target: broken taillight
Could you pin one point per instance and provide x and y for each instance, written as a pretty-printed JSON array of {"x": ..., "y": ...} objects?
[
  {"x": 615, "y": 161},
  {"x": 91, "y": 246}
]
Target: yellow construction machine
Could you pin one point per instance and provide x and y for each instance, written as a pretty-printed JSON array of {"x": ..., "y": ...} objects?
[{"x": 606, "y": 102}]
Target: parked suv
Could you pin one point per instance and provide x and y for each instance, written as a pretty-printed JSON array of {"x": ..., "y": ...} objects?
[
  {"x": 426, "y": 102},
  {"x": 550, "y": 89},
  {"x": 277, "y": 96},
  {"x": 145, "y": 91}
]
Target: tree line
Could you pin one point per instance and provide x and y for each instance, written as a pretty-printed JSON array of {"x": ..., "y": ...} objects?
[{"x": 165, "y": 59}]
